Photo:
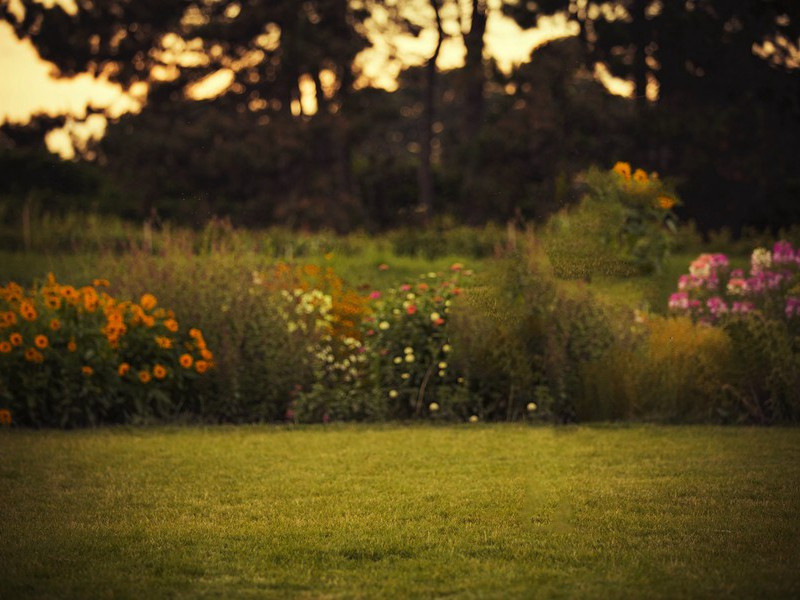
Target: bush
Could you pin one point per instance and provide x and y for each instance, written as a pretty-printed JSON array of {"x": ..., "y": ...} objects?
[
  {"x": 406, "y": 340},
  {"x": 77, "y": 356},
  {"x": 674, "y": 370},
  {"x": 257, "y": 365},
  {"x": 623, "y": 225},
  {"x": 760, "y": 311}
]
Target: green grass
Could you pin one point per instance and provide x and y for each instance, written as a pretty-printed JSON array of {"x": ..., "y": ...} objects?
[{"x": 467, "y": 511}]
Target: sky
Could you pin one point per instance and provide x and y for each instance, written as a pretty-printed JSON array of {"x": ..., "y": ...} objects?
[{"x": 29, "y": 85}]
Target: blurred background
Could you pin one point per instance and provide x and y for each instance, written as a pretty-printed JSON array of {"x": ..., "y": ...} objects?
[{"x": 369, "y": 115}]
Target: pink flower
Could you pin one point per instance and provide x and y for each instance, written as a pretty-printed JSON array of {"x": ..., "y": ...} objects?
[
  {"x": 742, "y": 307},
  {"x": 782, "y": 252},
  {"x": 679, "y": 301},
  {"x": 737, "y": 286},
  {"x": 374, "y": 295},
  {"x": 717, "y": 306},
  {"x": 405, "y": 287}
]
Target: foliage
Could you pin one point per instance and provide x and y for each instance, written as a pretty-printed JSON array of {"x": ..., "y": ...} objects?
[
  {"x": 407, "y": 344},
  {"x": 760, "y": 310},
  {"x": 71, "y": 357},
  {"x": 623, "y": 224},
  {"x": 674, "y": 370}
]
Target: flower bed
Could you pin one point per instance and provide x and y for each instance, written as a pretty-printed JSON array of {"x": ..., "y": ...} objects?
[{"x": 76, "y": 356}]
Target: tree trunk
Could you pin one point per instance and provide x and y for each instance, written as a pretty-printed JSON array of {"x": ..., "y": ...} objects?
[
  {"x": 474, "y": 79},
  {"x": 425, "y": 173},
  {"x": 640, "y": 40}
]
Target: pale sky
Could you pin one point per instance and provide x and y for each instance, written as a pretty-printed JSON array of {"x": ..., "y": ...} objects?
[{"x": 28, "y": 84}]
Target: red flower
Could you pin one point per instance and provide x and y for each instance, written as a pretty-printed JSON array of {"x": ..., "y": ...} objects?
[
  {"x": 439, "y": 321},
  {"x": 412, "y": 308}
]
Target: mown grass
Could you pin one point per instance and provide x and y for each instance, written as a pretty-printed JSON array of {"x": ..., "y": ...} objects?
[{"x": 395, "y": 511}]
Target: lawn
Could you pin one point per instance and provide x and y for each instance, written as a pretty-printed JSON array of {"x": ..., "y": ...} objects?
[{"x": 400, "y": 511}]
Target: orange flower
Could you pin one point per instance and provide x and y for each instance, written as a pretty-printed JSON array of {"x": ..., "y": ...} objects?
[
  {"x": 27, "y": 310},
  {"x": 195, "y": 333},
  {"x": 163, "y": 342},
  {"x": 53, "y": 302},
  {"x": 72, "y": 346},
  {"x": 171, "y": 324},
  {"x": 206, "y": 354},
  {"x": 15, "y": 339},
  {"x": 5, "y": 416},
  {"x": 186, "y": 361},
  {"x": 100, "y": 283},
  {"x": 41, "y": 341},
  {"x": 623, "y": 169},
  {"x": 55, "y": 324},
  {"x": 144, "y": 376},
  {"x": 87, "y": 370},
  {"x": 201, "y": 366},
  {"x": 31, "y": 355},
  {"x": 639, "y": 176},
  {"x": 159, "y": 372},
  {"x": 10, "y": 318},
  {"x": 148, "y": 321},
  {"x": 148, "y": 302},
  {"x": 69, "y": 293},
  {"x": 123, "y": 369},
  {"x": 5, "y": 347},
  {"x": 665, "y": 202}
]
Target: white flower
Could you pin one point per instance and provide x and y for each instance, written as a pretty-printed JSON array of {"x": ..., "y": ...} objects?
[
  {"x": 446, "y": 348},
  {"x": 397, "y": 360},
  {"x": 384, "y": 325},
  {"x": 435, "y": 316},
  {"x": 442, "y": 373},
  {"x": 409, "y": 358},
  {"x": 433, "y": 407},
  {"x": 408, "y": 350},
  {"x": 532, "y": 406},
  {"x": 392, "y": 393},
  {"x": 396, "y": 311},
  {"x": 442, "y": 365},
  {"x": 473, "y": 419},
  {"x": 410, "y": 296},
  {"x": 405, "y": 376},
  {"x": 432, "y": 275}
]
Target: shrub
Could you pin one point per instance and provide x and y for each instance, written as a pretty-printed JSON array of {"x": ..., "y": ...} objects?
[
  {"x": 766, "y": 388},
  {"x": 760, "y": 311},
  {"x": 324, "y": 316},
  {"x": 77, "y": 356},
  {"x": 257, "y": 366},
  {"x": 623, "y": 225},
  {"x": 674, "y": 370},
  {"x": 406, "y": 340}
]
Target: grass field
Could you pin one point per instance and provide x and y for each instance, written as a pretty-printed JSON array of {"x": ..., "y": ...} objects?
[{"x": 395, "y": 511}]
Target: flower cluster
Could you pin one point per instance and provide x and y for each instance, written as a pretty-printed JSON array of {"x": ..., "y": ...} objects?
[
  {"x": 406, "y": 337},
  {"x": 712, "y": 289},
  {"x": 317, "y": 291},
  {"x": 59, "y": 343}
]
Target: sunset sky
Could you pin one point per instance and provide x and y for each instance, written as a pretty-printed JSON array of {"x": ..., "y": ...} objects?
[{"x": 28, "y": 84}]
